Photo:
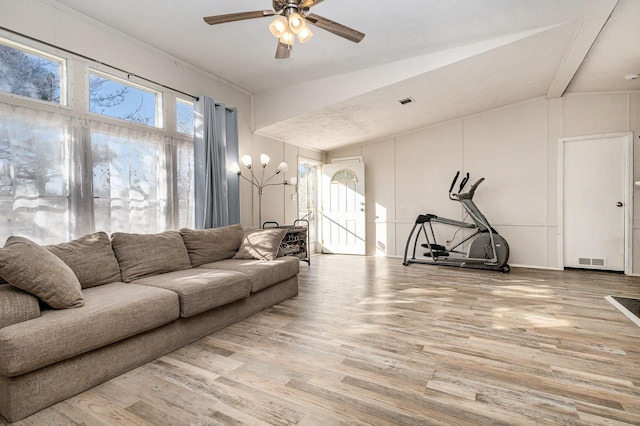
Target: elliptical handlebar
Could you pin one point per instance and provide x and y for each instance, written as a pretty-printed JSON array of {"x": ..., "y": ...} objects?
[
  {"x": 453, "y": 182},
  {"x": 463, "y": 195}
]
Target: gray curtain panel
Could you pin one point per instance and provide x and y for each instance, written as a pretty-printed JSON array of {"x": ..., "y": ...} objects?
[{"x": 217, "y": 198}]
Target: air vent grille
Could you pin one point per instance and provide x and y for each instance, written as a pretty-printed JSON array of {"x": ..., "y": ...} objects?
[
  {"x": 406, "y": 101},
  {"x": 587, "y": 261}
]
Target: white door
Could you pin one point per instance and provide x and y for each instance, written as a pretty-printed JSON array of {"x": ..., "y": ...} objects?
[
  {"x": 595, "y": 197},
  {"x": 343, "y": 215}
]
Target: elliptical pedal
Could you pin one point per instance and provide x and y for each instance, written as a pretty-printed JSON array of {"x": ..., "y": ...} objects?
[
  {"x": 434, "y": 247},
  {"x": 437, "y": 250}
]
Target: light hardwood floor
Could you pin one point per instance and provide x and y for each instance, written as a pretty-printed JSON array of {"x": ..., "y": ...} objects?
[{"x": 369, "y": 341}]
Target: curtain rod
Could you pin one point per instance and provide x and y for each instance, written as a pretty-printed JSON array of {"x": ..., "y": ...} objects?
[{"x": 196, "y": 98}]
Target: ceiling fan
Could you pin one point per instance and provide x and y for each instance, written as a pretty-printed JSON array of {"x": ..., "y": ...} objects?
[{"x": 291, "y": 20}]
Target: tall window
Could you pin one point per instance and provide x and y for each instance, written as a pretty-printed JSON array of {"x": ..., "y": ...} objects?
[
  {"x": 33, "y": 175},
  {"x": 129, "y": 181},
  {"x": 31, "y": 73},
  {"x": 67, "y": 172}
]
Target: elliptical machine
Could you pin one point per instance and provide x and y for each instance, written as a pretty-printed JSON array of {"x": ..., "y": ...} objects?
[{"x": 486, "y": 249}]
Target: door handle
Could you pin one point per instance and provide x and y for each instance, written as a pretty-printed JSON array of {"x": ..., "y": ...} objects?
[{"x": 618, "y": 204}]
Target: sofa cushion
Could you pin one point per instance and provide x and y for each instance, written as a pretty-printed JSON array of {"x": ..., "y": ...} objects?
[
  {"x": 34, "y": 269},
  {"x": 112, "y": 312},
  {"x": 200, "y": 289},
  {"x": 17, "y": 305},
  {"x": 210, "y": 245},
  {"x": 261, "y": 244},
  {"x": 143, "y": 255},
  {"x": 262, "y": 273},
  {"x": 91, "y": 258}
]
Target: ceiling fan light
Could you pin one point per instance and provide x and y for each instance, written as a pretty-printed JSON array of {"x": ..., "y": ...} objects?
[
  {"x": 305, "y": 35},
  {"x": 288, "y": 38},
  {"x": 278, "y": 26},
  {"x": 296, "y": 23}
]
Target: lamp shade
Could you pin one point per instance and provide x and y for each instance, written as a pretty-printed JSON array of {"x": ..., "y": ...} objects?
[
  {"x": 287, "y": 37},
  {"x": 234, "y": 168},
  {"x": 246, "y": 160},
  {"x": 264, "y": 160},
  {"x": 296, "y": 23},
  {"x": 278, "y": 26},
  {"x": 282, "y": 167},
  {"x": 305, "y": 34},
  {"x": 291, "y": 181}
]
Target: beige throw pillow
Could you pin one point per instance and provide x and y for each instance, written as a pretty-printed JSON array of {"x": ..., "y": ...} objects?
[
  {"x": 32, "y": 268},
  {"x": 144, "y": 255},
  {"x": 211, "y": 245},
  {"x": 91, "y": 258},
  {"x": 262, "y": 244}
]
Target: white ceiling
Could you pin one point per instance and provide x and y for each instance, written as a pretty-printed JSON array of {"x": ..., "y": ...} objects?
[{"x": 454, "y": 58}]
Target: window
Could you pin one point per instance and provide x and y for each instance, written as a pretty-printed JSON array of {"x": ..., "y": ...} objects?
[
  {"x": 185, "y": 172},
  {"x": 308, "y": 171},
  {"x": 124, "y": 100},
  {"x": 184, "y": 117},
  {"x": 30, "y": 73},
  {"x": 66, "y": 173},
  {"x": 128, "y": 181},
  {"x": 33, "y": 175}
]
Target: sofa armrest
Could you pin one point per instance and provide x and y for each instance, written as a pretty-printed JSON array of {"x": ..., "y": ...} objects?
[{"x": 17, "y": 305}]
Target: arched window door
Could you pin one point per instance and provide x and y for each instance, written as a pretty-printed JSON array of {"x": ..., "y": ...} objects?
[{"x": 343, "y": 215}]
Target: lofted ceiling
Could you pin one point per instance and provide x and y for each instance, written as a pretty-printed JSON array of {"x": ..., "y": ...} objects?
[{"x": 452, "y": 58}]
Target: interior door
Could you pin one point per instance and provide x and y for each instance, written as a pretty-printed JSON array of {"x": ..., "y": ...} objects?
[
  {"x": 595, "y": 197},
  {"x": 342, "y": 211}
]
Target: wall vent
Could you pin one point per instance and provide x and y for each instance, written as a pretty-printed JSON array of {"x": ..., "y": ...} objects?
[
  {"x": 406, "y": 101},
  {"x": 587, "y": 261}
]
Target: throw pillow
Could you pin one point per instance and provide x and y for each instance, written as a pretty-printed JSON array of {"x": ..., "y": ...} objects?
[
  {"x": 32, "y": 268},
  {"x": 262, "y": 244},
  {"x": 211, "y": 245},
  {"x": 91, "y": 258},
  {"x": 143, "y": 255}
]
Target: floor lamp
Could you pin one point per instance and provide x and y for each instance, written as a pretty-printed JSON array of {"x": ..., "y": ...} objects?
[{"x": 261, "y": 183}]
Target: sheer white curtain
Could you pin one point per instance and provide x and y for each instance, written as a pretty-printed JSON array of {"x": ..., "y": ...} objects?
[
  {"x": 34, "y": 178},
  {"x": 62, "y": 177}
]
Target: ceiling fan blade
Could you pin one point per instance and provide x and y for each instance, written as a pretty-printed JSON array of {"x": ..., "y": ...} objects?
[
  {"x": 309, "y": 3},
  {"x": 231, "y": 17},
  {"x": 335, "y": 28},
  {"x": 283, "y": 51}
]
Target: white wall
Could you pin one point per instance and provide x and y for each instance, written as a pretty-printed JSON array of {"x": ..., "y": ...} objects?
[{"x": 515, "y": 148}]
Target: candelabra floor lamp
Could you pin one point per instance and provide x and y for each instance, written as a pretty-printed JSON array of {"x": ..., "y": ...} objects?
[{"x": 260, "y": 183}]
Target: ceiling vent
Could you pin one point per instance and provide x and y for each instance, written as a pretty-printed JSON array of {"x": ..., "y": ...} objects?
[{"x": 406, "y": 101}]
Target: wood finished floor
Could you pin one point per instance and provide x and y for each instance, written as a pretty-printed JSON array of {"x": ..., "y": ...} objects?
[{"x": 369, "y": 341}]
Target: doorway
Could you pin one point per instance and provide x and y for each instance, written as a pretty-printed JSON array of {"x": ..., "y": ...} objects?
[
  {"x": 596, "y": 202},
  {"x": 343, "y": 214},
  {"x": 308, "y": 176}
]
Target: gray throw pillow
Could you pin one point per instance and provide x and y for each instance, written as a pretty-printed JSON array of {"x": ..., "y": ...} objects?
[
  {"x": 91, "y": 258},
  {"x": 32, "y": 268},
  {"x": 212, "y": 245},
  {"x": 262, "y": 244},
  {"x": 143, "y": 255}
]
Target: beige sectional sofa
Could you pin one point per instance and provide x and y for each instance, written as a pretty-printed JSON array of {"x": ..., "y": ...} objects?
[{"x": 77, "y": 314}]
